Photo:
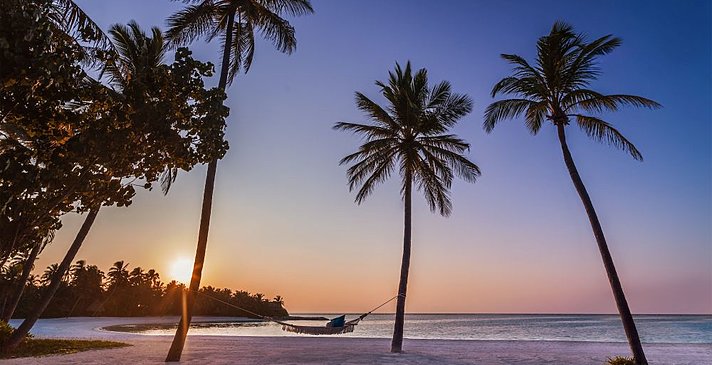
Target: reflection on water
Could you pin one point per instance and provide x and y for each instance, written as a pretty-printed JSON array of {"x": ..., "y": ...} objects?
[{"x": 596, "y": 328}]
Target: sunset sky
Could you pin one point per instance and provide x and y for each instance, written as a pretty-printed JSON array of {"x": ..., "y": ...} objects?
[{"x": 518, "y": 240}]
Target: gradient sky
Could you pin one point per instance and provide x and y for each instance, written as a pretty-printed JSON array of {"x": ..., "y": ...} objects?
[{"x": 518, "y": 240}]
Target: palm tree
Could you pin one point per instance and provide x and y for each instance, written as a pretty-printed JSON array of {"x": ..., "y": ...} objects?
[
  {"x": 410, "y": 135},
  {"x": 138, "y": 54},
  {"x": 49, "y": 273},
  {"x": 118, "y": 275},
  {"x": 235, "y": 22},
  {"x": 556, "y": 89},
  {"x": 152, "y": 278}
]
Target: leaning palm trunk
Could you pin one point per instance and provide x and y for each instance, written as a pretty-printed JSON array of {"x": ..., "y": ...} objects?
[
  {"x": 176, "y": 350},
  {"x": 21, "y": 332},
  {"x": 628, "y": 324},
  {"x": 397, "y": 342},
  {"x": 9, "y": 310}
]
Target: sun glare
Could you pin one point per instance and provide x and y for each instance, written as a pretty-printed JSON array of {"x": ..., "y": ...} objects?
[{"x": 181, "y": 270}]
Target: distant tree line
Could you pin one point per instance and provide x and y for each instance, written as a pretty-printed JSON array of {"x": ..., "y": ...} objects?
[{"x": 87, "y": 291}]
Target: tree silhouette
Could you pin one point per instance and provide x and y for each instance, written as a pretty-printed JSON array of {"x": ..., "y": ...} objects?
[
  {"x": 555, "y": 89},
  {"x": 410, "y": 136},
  {"x": 235, "y": 22}
]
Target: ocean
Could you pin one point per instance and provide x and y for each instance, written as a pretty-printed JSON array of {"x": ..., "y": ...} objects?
[{"x": 679, "y": 329}]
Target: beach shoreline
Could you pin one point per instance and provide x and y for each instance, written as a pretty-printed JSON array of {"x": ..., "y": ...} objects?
[{"x": 314, "y": 350}]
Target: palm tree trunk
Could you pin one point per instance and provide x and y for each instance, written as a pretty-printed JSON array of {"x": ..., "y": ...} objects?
[
  {"x": 397, "y": 342},
  {"x": 626, "y": 317},
  {"x": 20, "y": 285},
  {"x": 176, "y": 350},
  {"x": 19, "y": 334}
]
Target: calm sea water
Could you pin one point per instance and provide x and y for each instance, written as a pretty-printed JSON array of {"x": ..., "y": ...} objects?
[{"x": 595, "y": 328}]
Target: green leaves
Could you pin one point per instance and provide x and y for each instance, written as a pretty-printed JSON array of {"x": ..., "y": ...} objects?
[{"x": 409, "y": 134}]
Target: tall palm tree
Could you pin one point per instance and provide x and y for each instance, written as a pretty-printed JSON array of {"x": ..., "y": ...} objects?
[
  {"x": 235, "y": 23},
  {"x": 555, "y": 89},
  {"x": 410, "y": 135}
]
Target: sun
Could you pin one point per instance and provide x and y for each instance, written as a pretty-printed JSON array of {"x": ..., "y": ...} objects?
[{"x": 181, "y": 270}]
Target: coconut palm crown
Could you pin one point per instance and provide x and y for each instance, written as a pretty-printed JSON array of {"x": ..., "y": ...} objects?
[
  {"x": 137, "y": 53},
  {"x": 555, "y": 88},
  {"x": 235, "y": 22},
  {"x": 410, "y": 135}
]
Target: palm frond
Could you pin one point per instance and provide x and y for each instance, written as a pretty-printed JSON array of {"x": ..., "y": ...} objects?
[
  {"x": 598, "y": 103},
  {"x": 464, "y": 168},
  {"x": 273, "y": 27},
  {"x": 365, "y": 130},
  {"x": 601, "y": 131},
  {"x": 535, "y": 116},
  {"x": 75, "y": 22},
  {"x": 374, "y": 111},
  {"x": 410, "y": 133},
  {"x": 168, "y": 177},
  {"x": 434, "y": 186},
  {"x": 450, "y": 111},
  {"x": 367, "y": 163},
  {"x": 381, "y": 172},
  {"x": 504, "y": 109},
  {"x": 192, "y": 22},
  {"x": 137, "y": 53},
  {"x": 289, "y": 7},
  {"x": 243, "y": 49}
]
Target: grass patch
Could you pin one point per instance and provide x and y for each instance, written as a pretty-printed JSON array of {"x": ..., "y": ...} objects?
[
  {"x": 41, "y": 347},
  {"x": 620, "y": 360}
]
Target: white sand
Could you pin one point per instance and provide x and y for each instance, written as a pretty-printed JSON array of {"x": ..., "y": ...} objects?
[{"x": 338, "y": 350}]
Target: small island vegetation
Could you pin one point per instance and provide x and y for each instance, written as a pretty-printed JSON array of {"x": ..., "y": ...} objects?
[{"x": 87, "y": 291}]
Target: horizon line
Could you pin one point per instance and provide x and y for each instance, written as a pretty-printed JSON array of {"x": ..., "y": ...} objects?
[{"x": 507, "y": 313}]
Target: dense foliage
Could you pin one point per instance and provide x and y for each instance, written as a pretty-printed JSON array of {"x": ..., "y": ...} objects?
[
  {"x": 72, "y": 143},
  {"x": 69, "y": 143},
  {"x": 88, "y": 291}
]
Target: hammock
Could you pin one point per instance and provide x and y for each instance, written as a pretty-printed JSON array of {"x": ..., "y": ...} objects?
[
  {"x": 336, "y": 326},
  {"x": 321, "y": 330}
]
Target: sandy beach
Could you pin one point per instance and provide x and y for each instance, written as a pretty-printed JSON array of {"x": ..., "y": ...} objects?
[{"x": 337, "y": 350}]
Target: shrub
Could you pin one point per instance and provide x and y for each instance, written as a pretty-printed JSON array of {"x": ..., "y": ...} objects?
[
  {"x": 620, "y": 360},
  {"x": 6, "y": 331}
]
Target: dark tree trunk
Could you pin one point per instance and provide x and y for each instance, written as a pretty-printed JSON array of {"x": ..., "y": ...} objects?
[
  {"x": 176, "y": 350},
  {"x": 397, "y": 343},
  {"x": 19, "y": 334},
  {"x": 20, "y": 285},
  {"x": 628, "y": 324}
]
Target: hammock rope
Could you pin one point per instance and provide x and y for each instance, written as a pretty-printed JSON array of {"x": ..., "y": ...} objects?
[{"x": 309, "y": 330}]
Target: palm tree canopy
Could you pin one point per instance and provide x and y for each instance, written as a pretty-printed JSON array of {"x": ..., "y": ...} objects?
[
  {"x": 209, "y": 19},
  {"x": 410, "y": 134},
  {"x": 137, "y": 53},
  {"x": 555, "y": 88}
]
